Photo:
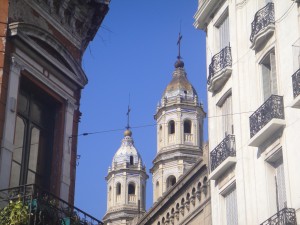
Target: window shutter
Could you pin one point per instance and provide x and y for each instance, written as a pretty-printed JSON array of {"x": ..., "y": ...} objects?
[
  {"x": 266, "y": 82},
  {"x": 273, "y": 74},
  {"x": 227, "y": 116},
  {"x": 224, "y": 33},
  {"x": 281, "y": 193},
  {"x": 231, "y": 208}
]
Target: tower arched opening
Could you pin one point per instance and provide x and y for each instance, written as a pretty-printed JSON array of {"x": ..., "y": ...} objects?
[{"x": 171, "y": 180}]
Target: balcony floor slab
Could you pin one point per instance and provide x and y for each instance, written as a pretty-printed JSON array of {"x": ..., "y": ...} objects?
[
  {"x": 219, "y": 79},
  {"x": 266, "y": 132},
  {"x": 217, "y": 172},
  {"x": 296, "y": 102}
]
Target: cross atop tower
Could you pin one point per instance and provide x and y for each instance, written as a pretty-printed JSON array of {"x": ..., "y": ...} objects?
[
  {"x": 128, "y": 114},
  {"x": 179, "y": 44}
]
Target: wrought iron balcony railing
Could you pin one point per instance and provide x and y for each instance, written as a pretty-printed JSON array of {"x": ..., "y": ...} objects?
[
  {"x": 263, "y": 18},
  {"x": 41, "y": 207},
  {"x": 285, "y": 216},
  {"x": 225, "y": 149},
  {"x": 218, "y": 62},
  {"x": 271, "y": 109},
  {"x": 296, "y": 83}
]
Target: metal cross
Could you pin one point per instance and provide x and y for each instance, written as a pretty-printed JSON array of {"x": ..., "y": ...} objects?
[
  {"x": 128, "y": 112},
  {"x": 179, "y": 43}
]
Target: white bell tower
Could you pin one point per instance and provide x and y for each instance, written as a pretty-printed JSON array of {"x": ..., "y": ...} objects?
[
  {"x": 126, "y": 184},
  {"x": 179, "y": 119}
]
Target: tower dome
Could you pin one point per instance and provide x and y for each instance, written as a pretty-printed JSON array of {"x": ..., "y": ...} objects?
[
  {"x": 127, "y": 153},
  {"x": 179, "y": 85}
]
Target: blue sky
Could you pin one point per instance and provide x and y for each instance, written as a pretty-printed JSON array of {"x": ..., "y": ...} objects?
[{"x": 133, "y": 52}]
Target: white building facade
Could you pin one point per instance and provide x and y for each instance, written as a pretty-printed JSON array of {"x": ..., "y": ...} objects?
[{"x": 253, "y": 52}]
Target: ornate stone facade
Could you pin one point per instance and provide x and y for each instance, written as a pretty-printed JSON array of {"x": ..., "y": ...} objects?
[{"x": 41, "y": 78}]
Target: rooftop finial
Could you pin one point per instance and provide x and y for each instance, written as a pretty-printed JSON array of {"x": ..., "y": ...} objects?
[
  {"x": 128, "y": 131},
  {"x": 179, "y": 63},
  {"x": 179, "y": 43},
  {"x": 128, "y": 114}
]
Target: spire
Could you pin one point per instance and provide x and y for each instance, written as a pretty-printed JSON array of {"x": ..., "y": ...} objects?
[{"x": 179, "y": 63}]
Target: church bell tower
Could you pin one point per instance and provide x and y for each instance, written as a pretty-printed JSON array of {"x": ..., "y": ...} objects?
[
  {"x": 126, "y": 184},
  {"x": 179, "y": 119}
]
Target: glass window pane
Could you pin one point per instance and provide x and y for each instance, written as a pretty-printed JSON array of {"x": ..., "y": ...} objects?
[
  {"x": 36, "y": 112},
  {"x": 30, "y": 177},
  {"x": 19, "y": 140},
  {"x": 17, "y": 153},
  {"x": 15, "y": 174},
  {"x": 34, "y": 147},
  {"x": 23, "y": 103}
]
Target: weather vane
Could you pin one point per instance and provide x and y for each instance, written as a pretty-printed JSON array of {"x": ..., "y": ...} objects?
[{"x": 128, "y": 114}]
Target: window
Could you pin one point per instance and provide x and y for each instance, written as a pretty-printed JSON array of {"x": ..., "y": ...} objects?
[
  {"x": 171, "y": 127},
  {"x": 269, "y": 77},
  {"x": 157, "y": 190},
  {"x": 118, "y": 188},
  {"x": 171, "y": 181},
  {"x": 131, "y": 160},
  {"x": 276, "y": 179},
  {"x": 225, "y": 105},
  {"x": 223, "y": 31},
  {"x": 109, "y": 193},
  {"x": 280, "y": 185},
  {"x": 34, "y": 135},
  {"x": 160, "y": 133},
  {"x": 131, "y": 189},
  {"x": 187, "y": 125},
  {"x": 231, "y": 207}
]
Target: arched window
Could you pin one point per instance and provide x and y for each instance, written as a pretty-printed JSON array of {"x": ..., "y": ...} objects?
[
  {"x": 131, "y": 160},
  {"x": 157, "y": 190},
  {"x": 172, "y": 127},
  {"x": 199, "y": 186},
  {"x": 171, "y": 181},
  {"x": 188, "y": 196},
  {"x": 193, "y": 191},
  {"x": 118, "y": 188},
  {"x": 131, "y": 189},
  {"x": 109, "y": 193},
  {"x": 182, "y": 201},
  {"x": 160, "y": 133},
  {"x": 187, "y": 126}
]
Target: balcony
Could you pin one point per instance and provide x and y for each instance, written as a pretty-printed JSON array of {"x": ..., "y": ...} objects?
[
  {"x": 171, "y": 138},
  {"x": 188, "y": 137},
  {"x": 296, "y": 89},
  {"x": 29, "y": 204},
  {"x": 132, "y": 198},
  {"x": 266, "y": 120},
  {"x": 206, "y": 9},
  {"x": 285, "y": 216},
  {"x": 219, "y": 69},
  {"x": 222, "y": 157},
  {"x": 263, "y": 26}
]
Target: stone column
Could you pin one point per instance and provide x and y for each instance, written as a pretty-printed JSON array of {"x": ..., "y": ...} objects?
[
  {"x": 66, "y": 160},
  {"x": 7, "y": 143}
]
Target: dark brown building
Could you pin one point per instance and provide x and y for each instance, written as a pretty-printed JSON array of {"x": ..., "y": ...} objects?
[{"x": 41, "y": 78}]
